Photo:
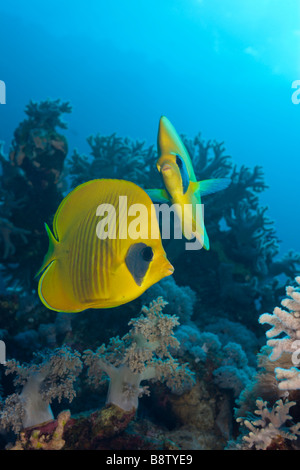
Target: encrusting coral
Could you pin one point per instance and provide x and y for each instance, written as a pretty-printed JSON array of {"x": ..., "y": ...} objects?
[
  {"x": 142, "y": 354},
  {"x": 37, "y": 440}
]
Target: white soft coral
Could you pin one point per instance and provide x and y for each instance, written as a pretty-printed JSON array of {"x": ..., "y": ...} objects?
[{"x": 142, "y": 354}]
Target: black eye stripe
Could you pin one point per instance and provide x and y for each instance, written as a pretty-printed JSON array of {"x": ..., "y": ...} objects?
[
  {"x": 179, "y": 161},
  {"x": 184, "y": 173}
]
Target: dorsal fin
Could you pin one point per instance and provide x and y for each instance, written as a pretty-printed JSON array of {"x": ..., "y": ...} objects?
[
  {"x": 51, "y": 253},
  {"x": 74, "y": 204}
]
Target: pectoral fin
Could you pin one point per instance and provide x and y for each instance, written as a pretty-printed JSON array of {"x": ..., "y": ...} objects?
[
  {"x": 158, "y": 195},
  {"x": 206, "y": 244},
  {"x": 211, "y": 186}
]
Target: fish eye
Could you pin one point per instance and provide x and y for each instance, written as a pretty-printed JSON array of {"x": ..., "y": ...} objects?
[
  {"x": 179, "y": 161},
  {"x": 147, "y": 253}
]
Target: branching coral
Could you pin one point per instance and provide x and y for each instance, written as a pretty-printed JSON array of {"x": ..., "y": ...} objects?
[
  {"x": 275, "y": 380},
  {"x": 242, "y": 263},
  {"x": 8, "y": 204},
  {"x": 52, "y": 376},
  {"x": 285, "y": 322},
  {"x": 254, "y": 241},
  {"x": 243, "y": 237},
  {"x": 208, "y": 157},
  {"x": 142, "y": 354},
  {"x": 30, "y": 189},
  {"x": 37, "y": 148},
  {"x": 7, "y": 230},
  {"x": 115, "y": 157},
  {"x": 287, "y": 264},
  {"x": 270, "y": 428},
  {"x": 247, "y": 183},
  {"x": 47, "y": 114}
]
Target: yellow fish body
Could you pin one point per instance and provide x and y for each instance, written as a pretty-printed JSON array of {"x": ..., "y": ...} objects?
[
  {"x": 82, "y": 270},
  {"x": 181, "y": 186}
]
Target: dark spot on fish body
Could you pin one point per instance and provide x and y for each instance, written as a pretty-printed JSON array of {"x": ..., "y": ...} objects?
[{"x": 138, "y": 259}]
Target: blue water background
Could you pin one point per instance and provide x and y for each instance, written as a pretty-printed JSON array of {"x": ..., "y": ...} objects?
[{"x": 222, "y": 67}]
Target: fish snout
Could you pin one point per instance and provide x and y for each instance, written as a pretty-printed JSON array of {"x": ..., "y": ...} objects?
[
  {"x": 166, "y": 267},
  {"x": 165, "y": 165},
  {"x": 166, "y": 168}
]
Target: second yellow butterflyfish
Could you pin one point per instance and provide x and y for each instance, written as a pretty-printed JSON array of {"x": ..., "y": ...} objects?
[{"x": 181, "y": 187}]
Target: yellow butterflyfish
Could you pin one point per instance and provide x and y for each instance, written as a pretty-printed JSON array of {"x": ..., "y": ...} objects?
[
  {"x": 181, "y": 186},
  {"x": 92, "y": 260}
]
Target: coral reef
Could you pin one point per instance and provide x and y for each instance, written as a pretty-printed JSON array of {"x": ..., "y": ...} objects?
[
  {"x": 269, "y": 430},
  {"x": 214, "y": 383},
  {"x": 287, "y": 322},
  {"x": 52, "y": 376},
  {"x": 141, "y": 355},
  {"x": 228, "y": 364},
  {"x": 31, "y": 188},
  {"x": 43, "y": 438},
  {"x": 181, "y": 299},
  {"x": 276, "y": 382},
  {"x": 229, "y": 331},
  {"x": 107, "y": 429},
  {"x": 243, "y": 264},
  {"x": 114, "y": 157}
]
